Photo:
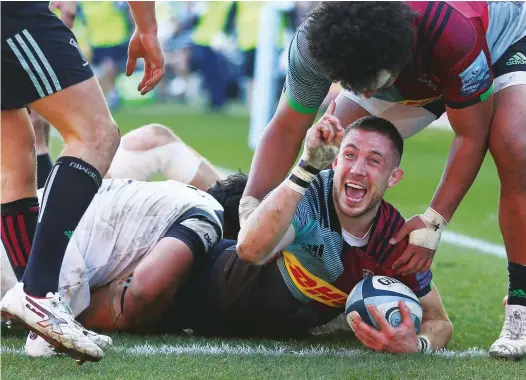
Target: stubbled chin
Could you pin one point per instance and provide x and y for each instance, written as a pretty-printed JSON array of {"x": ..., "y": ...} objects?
[{"x": 351, "y": 206}]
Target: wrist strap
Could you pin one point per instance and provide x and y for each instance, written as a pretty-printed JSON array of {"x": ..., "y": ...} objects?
[
  {"x": 308, "y": 167},
  {"x": 301, "y": 177},
  {"x": 434, "y": 220}
]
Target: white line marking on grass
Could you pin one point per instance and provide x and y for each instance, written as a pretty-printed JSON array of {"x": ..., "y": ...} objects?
[
  {"x": 481, "y": 246},
  {"x": 245, "y": 350}
]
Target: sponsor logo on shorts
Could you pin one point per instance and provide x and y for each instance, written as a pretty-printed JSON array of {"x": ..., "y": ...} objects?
[
  {"x": 476, "y": 77},
  {"x": 311, "y": 286},
  {"x": 517, "y": 59},
  {"x": 72, "y": 42}
]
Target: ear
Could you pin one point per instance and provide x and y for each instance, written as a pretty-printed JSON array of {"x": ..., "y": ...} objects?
[
  {"x": 335, "y": 162},
  {"x": 396, "y": 176}
]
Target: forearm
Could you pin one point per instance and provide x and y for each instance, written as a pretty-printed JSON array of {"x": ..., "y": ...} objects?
[
  {"x": 438, "y": 332},
  {"x": 143, "y": 13},
  {"x": 275, "y": 154},
  {"x": 464, "y": 161},
  {"x": 266, "y": 226}
]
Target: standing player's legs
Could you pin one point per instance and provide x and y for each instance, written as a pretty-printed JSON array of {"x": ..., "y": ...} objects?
[
  {"x": 508, "y": 148},
  {"x": 42, "y": 67},
  {"x": 507, "y": 145},
  {"x": 91, "y": 138}
]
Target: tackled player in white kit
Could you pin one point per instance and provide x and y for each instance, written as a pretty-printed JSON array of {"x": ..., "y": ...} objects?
[{"x": 155, "y": 230}]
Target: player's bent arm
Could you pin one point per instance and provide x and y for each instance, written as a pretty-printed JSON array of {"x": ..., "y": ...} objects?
[
  {"x": 436, "y": 326},
  {"x": 155, "y": 281},
  {"x": 269, "y": 229},
  {"x": 277, "y": 150},
  {"x": 471, "y": 127}
]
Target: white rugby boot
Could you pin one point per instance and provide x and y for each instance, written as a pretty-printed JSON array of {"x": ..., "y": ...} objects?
[
  {"x": 511, "y": 343},
  {"x": 37, "y": 347},
  {"x": 52, "y": 319}
]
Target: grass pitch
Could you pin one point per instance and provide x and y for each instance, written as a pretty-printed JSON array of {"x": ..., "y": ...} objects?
[{"x": 471, "y": 284}]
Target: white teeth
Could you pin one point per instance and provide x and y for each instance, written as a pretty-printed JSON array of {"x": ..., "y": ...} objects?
[{"x": 355, "y": 186}]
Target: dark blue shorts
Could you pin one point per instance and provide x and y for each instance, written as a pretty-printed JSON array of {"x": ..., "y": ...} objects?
[
  {"x": 118, "y": 54},
  {"x": 40, "y": 55}
]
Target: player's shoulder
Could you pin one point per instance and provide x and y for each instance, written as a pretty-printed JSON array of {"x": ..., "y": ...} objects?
[
  {"x": 388, "y": 220},
  {"x": 448, "y": 32}
]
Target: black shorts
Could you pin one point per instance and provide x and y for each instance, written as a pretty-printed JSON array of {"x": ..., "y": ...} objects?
[
  {"x": 40, "y": 55},
  {"x": 229, "y": 297}
]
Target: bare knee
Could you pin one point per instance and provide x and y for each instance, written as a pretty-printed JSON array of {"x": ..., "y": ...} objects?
[{"x": 148, "y": 137}]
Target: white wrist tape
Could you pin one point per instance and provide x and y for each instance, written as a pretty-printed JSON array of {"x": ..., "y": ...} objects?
[
  {"x": 424, "y": 344},
  {"x": 429, "y": 237},
  {"x": 247, "y": 205},
  {"x": 300, "y": 179},
  {"x": 433, "y": 220}
]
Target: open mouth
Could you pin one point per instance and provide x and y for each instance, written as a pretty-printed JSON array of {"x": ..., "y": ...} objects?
[{"x": 355, "y": 192}]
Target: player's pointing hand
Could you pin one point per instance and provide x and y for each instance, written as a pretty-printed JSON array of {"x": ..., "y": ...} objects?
[{"x": 323, "y": 140}]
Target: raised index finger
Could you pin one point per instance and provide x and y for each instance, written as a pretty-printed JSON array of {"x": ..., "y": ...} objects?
[{"x": 331, "y": 109}]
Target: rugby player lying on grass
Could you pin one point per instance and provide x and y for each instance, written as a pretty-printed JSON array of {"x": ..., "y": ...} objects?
[
  {"x": 156, "y": 230},
  {"x": 322, "y": 231},
  {"x": 304, "y": 284}
]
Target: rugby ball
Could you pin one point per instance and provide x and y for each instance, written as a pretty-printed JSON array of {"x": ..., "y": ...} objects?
[{"x": 385, "y": 293}]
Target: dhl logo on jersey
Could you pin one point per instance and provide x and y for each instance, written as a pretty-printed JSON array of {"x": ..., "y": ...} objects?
[
  {"x": 419, "y": 103},
  {"x": 311, "y": 286}
]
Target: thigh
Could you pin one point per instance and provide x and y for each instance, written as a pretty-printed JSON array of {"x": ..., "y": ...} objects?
[
  {"x": 508, "y": 128},
  {"x": 77, "y": 112},
  {"x": 507, "y": 140},
  {"x": 40, "y": 56},
  {"x": 407, "y": 119}
]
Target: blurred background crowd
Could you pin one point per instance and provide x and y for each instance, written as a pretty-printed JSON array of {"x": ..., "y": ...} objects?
[{"x": 210, "y": 49}]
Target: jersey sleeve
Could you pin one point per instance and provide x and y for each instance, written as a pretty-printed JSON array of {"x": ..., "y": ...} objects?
[
  {"x": 467, "y": 76},
  {"x": 305, "y": 85},
  {"x": 198, "y": 228},
  {"x": 309, "y": 209}
]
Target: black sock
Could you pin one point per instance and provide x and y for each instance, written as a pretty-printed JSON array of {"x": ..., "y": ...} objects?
[
  {"x": 44, "y": 166},
  {"x": 19, "y": 221},
  {"x": 71, "y": 187},
  {"x": 517, "y": 289}
]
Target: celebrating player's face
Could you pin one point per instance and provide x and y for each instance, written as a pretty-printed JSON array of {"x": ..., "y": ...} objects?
[{"x": 366, "y": 166}]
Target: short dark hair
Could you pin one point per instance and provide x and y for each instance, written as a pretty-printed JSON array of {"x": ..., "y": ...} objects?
[
  {"x": 381, "y": 126},
  {"x": 228, "y": 193},
  {"x": 352, "y": 41}
]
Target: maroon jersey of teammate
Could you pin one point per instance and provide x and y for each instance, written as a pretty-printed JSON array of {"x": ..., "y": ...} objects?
[{"x": 452, "y": 61}]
